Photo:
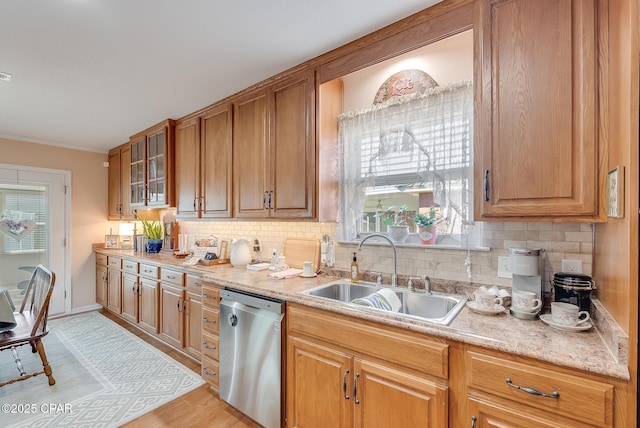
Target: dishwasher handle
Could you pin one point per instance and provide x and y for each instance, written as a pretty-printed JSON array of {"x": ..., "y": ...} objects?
[{"x": 253, "y": 300}]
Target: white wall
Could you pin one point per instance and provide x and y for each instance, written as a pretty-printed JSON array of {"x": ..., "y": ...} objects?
[{"x": 449, "y": 60}]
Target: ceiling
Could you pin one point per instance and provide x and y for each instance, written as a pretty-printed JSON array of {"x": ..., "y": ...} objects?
[{"x": 88, "y": 74}]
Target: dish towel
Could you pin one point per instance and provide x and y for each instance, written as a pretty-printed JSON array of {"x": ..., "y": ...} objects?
[
  {"x": 7, "y": 320},
  {"x": 384, "y": 299},
  {"x": 289, "y": 273}
]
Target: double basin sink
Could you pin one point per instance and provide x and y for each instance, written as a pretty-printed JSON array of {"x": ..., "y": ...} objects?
[{"x": 438, "y": 308}]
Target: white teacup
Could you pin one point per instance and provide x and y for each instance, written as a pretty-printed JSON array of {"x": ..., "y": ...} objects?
[
  {"x": 486, "y": 299},
  {"x": 307, "y": 269},
  {"x": 525, "y": 301},
  {"x": 567, "y": 314}
]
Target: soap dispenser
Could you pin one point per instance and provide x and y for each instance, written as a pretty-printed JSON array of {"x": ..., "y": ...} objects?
[{"x": 355, "y": 272}]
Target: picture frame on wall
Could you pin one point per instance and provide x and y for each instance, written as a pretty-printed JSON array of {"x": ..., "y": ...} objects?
[
  {"x": 111, "y": 241},
  {"x": 615, "y": 192}
]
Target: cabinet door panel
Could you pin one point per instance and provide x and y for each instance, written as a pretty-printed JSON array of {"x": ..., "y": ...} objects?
[
  {"x": 149, "y": 305},
  {"x": 494, "y": 416},
  {"x": 536, "y": 109},
  {"x": 171, "y": 318},
  {"x": 114, "y": 189},
  {"x": 216, "y": 158},
  {"x": 388, "y": 397},
  {"x": 114, "y": 291},
  {"x": 125, "y": 184},
  {"x": 101, "y": 285},
  {"x": 293, "y": 147},
  {"x": 250, "y": 155},
  {"x": 315, "y": 395},
  {"x": 130, "y": 298},
  {"x": 193, "y": 325},
  {"x": 187, "y": 172}
]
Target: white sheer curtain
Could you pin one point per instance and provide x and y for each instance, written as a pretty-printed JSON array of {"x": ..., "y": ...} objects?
[{"x": 420, "y": 140}]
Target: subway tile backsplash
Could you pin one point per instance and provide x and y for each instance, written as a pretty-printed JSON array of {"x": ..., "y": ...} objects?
[{"x": 559, "y": 240}]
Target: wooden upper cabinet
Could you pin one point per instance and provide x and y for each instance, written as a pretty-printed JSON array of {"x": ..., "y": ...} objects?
[
  {"x": 203, "y": 164},
  {"x": 153, "y": 166},
  {"x": 187, "y": 167},
  {"x": 119, "y": 196},
  {"x": 536, "y": 127},
  {"x": 216, "y": 162},
  {"x": 250, "y": 155},
  {"x": 293, "y": 148},
  {"x": 274, "y": 150}
]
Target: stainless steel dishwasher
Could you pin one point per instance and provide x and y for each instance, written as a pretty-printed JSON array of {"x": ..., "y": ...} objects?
[{"x": 251, "y": 355}]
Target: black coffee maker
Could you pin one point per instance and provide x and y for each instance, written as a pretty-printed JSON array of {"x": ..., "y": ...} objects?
[{"x": 574, "y": 288}]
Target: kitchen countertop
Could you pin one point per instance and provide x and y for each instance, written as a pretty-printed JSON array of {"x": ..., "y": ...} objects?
[{"x": 586, "y": 350}]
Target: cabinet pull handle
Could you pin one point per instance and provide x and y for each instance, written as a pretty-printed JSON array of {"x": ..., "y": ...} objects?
[
  {"x": 473, "y": 421},
  {"x": 205, "y": 296},
  {"x": 205, "y": 345},
  {"x": 205, "y": 319},
  {"x": 264, "y": 200},
  {"x": 270, "y": 198},
  {"x": 344, "y": 384},
  {"x": 179, "y": 304},
  {"x": 355, "y": 388},
  {"x": 486, "y": 185},
  {"x": 147, "y": 271},
  {"x": 554, "y": 394},
  {"x": 201, "y": 203},
  {"x": 205, "y": 371},
  {"x": 171, "y": 277},
  {"x": 194, "y": 204}
]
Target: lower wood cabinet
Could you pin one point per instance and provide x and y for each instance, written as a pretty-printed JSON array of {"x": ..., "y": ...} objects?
[
  {"x": 101, "y": 284},
  {"x": 130, "y": 290},
  {"x": 114, "y": 290},
  {"x": 505, "y": 392},
  {"x": 171, "y": 314},
  {"x": 344, "y": 386},
  {"x": 210, "y": 322}
]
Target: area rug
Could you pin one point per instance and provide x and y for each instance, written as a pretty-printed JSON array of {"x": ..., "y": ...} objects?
[{"x": 105, "y": 377}]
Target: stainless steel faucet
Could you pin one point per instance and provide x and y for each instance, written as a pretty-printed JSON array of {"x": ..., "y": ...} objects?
[
  {"x": 394, "y": 276},
  {"x": 427, "y": 284}
]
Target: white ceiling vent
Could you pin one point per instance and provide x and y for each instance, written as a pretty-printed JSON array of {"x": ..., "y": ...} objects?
[{"x": 5, "y": 76}]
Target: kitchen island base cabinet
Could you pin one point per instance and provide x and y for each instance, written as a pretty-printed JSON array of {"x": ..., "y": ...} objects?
[{"x": 341, "y": 386}]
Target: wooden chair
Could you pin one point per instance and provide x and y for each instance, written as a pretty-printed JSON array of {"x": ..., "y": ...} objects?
[{"x": 31, "y": 323}]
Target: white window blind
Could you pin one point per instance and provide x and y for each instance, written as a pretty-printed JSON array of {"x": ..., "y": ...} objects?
[{"x": 32, "y": 206}]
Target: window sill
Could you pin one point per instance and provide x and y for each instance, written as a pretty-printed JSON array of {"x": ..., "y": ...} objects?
[{"x": 446, "y": 242}]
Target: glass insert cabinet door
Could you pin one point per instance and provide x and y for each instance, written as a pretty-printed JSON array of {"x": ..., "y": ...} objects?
[{"x": 148, "y": 172}]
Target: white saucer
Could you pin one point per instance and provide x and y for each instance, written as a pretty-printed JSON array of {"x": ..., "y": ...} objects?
[
  {"x": 308, "y": 276},
  {"x": 475, "y": 308},
  {"x": 546, "y": 318}
]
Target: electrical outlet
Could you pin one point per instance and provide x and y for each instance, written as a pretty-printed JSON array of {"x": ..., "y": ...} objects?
[
  {"x": 256, "y": 245},
  {"x": 573, "y": 266},
  {"x": 504, "y": 270}
]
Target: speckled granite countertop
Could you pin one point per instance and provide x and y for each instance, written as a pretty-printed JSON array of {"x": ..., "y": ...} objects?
[{"x": 601, "y": 350}]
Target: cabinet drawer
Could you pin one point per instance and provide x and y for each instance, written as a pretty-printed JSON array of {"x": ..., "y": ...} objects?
[
  {"x": 114, "y": 262},
  {"x": 130, "y": 267},
  {"x": 579, "y": 398},
  {"x": 149, "y": 271},
  {"x": 194, "y": 284},
  {"x": 172, "y": 277},
  {"x": 210, "y": 320},
  {"x": 210, "y": 346},
  {"x": 101, "y": 260},
  {"x": 210, "y": 371},
  {"x": 210, "y": 297}
]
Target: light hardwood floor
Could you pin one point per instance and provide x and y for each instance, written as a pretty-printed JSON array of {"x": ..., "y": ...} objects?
[{"x": 199, "y": 408}]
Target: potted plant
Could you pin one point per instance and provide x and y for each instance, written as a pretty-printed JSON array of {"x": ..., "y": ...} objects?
[
  {"x": 396, "y": 223},
  {"x": 152, "y": 231},
  {"x": 426, "y": 227}
]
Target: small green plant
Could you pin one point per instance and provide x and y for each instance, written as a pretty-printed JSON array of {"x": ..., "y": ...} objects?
[
  {"x": 394, "y": 217},
  {"x": 426, "y": 221},
  {"x": 151, "y": 229}
]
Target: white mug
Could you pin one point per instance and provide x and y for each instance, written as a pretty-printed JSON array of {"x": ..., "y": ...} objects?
[
  {"x": 525, "y": 301},
  {"x": 487, "y": 300},
  {"x": 307, "y": 269},
  {"x": 567, "y": 314}
]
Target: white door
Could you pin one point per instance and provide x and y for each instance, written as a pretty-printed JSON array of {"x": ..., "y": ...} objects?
[{"x": 40, "y": 195}]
